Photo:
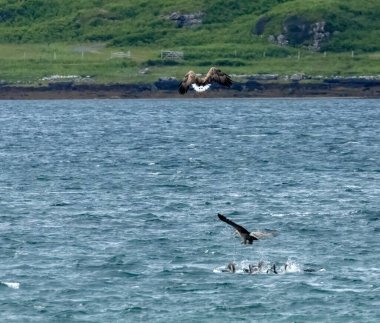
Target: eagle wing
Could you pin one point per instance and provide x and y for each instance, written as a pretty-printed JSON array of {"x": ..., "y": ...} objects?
[
  {"x": 216, "y": 75},
  {"x": 239, "y": 228},
  {"x": 186, "y": 82}
]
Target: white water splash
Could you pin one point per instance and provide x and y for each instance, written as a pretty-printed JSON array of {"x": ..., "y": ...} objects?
[
  {"x": 292, "y": 267},
  {"x": 11, "y": 285},
  {"x": 266, "y": 267},
  {"x": 242, "y": 267}
]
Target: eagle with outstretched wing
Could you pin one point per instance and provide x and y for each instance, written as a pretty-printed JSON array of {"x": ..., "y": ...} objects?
[
  {"x": 246, "y": 236},
  {"x": 201, "y": 84}
]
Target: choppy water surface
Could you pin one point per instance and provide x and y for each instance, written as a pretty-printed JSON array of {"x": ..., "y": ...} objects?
[{"x": 108, "y": 210}]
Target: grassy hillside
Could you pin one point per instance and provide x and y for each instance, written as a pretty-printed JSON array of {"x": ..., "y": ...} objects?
[
  {"x": 44, "y": 37},
  {"x": 139, "y": 22}
]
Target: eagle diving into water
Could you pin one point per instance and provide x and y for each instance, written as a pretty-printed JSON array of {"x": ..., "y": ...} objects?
[
  {"x": 246, "y": 236},
  {"x": 201, "y": 84}
]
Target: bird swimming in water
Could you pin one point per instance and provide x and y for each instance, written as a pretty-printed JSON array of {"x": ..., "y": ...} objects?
[
  {"x": 231, "y": 268},
  {"x": 247, "y": 237},
  {"x": 253, "y": 269},
  {"x": 260, "y": 268},
  {"x": 272, "y": 269},
  {"x": 201, "y": 84}
]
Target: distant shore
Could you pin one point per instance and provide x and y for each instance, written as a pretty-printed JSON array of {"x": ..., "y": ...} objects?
[{"x": 167, "y": 88}]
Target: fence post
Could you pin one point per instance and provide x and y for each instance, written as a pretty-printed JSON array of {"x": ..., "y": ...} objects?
[{"x": 171, "y": 55}]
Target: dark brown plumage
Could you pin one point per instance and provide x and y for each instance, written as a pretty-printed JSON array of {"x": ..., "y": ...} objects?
[
  {"x": 248, "y": 237},
  {"x": 213, "y": 75}
]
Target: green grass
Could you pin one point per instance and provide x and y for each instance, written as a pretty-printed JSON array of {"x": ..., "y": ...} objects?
[
  {"x": 29, "y": 63},
  {"x": 40, "y": 38}
]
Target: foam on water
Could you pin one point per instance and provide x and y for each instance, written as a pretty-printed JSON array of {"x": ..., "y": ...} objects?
[
  {"x": 13, "y": 285},
  {"x": 264, "y": 267},
  {"x": 291, "y": 267}
]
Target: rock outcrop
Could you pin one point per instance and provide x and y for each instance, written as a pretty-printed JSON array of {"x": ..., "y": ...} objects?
[
  {"x": 167, "y": 84},
  {"x": 186, "y": 20},
  {"x": 319, "y": 35},
  {"x": 297, "y": 31}
]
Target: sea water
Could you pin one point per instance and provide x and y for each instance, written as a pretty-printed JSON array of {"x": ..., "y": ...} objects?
[{"x": 108, "y": 210}]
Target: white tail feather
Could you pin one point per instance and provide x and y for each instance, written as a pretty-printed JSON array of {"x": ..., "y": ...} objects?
[{"x": 201, "y": 88}]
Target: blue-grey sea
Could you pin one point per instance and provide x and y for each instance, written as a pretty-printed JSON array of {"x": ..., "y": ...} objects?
[{"x": 108, "y": 210}]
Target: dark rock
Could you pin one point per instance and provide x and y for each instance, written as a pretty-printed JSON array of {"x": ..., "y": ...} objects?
[
  {"x": 167, "y": 84},
  {"x": 353, "y": 82},
  {"x": 61, "y": 86},
  {"x": 129, "y": 87},
  {"x": 237, "y": 86},
  {"x": 187, "y": 20},
  {"x": 252, "y": 85}
]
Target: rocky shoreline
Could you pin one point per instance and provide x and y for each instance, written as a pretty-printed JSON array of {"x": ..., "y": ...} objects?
[{"x": 167, "y": 88}]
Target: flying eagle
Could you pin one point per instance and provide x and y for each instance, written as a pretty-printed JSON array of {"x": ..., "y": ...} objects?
[
  {"x": 201, "y": 84},
  {"x": 247, "y": 237}
]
